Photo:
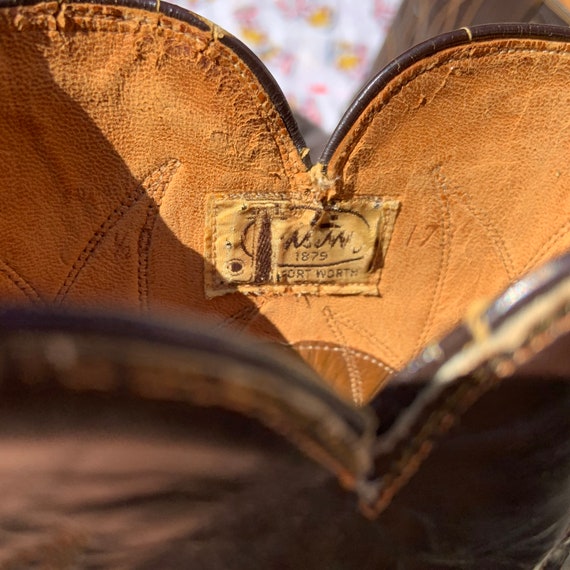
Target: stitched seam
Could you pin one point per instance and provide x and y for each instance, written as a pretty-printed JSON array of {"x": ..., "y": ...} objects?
[
  {"x": 26, "y": 288},
  {"x": 242, "y": 318},
  {"x": 352, "y": 369},
  {"x": 156, "y": 195},
  {"x": 446, "y": 237},
  {"x": 213, "y": 247},
  {"x": 443, "y": 418},
  {"x": 546, "y": 246},
  {"x": 506, "y": 365},
  {"x": 412, "y": 455},
  {"x": 104, "y": 228},
  {"x": 191, "y": 384},
  {"x": 491, "y": 230},
  {"x": 350, "y": 324},
  {"x": 370, "y": 114},
  {"x": 242, "y": 315},
  {"x": 94, "y": 241},
  {"x": 363, "y": 288},
  {"x": 143, "y": 250},
  {"x": 355, "y": 352}
]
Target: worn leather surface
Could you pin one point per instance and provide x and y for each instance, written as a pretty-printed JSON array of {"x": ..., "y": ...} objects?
[
  {"x": 99, "y": 483},
  {"x": 108, "y": 170},
  {"x": 121, "y": 447},
  {"x": 462, "y": 139},
  {"x": 127, "y": 443}
]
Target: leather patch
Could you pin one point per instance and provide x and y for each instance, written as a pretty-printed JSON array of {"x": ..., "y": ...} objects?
[{"x": 278, "y": 245}]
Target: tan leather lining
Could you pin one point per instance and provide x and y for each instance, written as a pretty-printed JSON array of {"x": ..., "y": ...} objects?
[
  {"x": 449, "y": 139},
  {"x": 110, "y": 170}
]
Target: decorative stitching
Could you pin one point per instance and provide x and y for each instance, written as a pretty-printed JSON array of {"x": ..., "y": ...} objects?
[
  {"x": 546, "y": 246},
  {"x": 22, "y": 284},
  {"x": 156, "y": 195},
  {"x": 506, "y": 365},
  {"x": 245, "y": 316},
  {"x": 446, "y": 237},
  {"x": 491, "y": 230},
  {"x": 105, "y": 227},
  {"x": 419, "y": 447},
  {"x": 353, "y": 372},
  {"x": 364, "y": 333},
  {"x": 355, "y": 352},
  {"x": 187, "y": 382},
  {"x": 211, "y": 221}
]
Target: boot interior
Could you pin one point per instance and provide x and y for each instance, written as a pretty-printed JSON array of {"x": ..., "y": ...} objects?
[{"x": 132, "y": 140}]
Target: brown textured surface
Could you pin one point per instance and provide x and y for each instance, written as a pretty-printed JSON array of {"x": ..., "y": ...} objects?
[{"x": 119, "y": 123}]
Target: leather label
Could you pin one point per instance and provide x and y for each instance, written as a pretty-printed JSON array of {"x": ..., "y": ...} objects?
[{"x": 265, "y": 245}]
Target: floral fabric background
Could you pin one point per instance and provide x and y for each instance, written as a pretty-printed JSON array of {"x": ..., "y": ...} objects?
[{"x": 320, "y": 52}]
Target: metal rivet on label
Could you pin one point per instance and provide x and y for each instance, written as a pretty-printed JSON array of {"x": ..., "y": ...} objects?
[{"x": 235, "y": 266}]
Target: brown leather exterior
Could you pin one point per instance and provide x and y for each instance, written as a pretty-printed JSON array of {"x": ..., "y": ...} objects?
[
  {"x": 529, "y": 323},
  {"x": 481, "y": 420},
  {"x": 117, "y": 454}
]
